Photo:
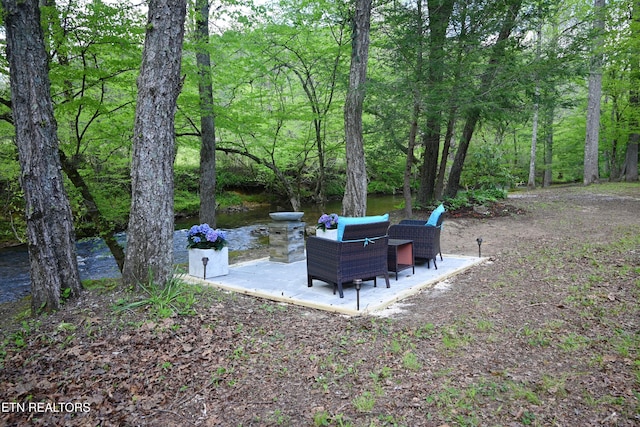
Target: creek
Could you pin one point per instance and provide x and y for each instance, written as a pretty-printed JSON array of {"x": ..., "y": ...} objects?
[{"x": 95, "y": 260}]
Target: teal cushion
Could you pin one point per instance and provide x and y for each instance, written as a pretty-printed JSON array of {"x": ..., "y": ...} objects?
[
  {"x": 435, "y": 215},
  {"x": 345, "y": 220}
]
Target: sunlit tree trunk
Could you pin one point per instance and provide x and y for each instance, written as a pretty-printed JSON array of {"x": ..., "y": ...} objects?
[
  {"x": 207, "y": 123},
  {"x": 354, "y": 202},
  {"x": 149, "y": 253},
  {"x": 591, "y": 174},
  {"x": 536, "y": 113},
  {"x": 50, "y": 232}
]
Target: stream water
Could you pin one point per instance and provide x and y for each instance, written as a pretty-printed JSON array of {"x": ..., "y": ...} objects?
[{"x": 95, "y": 260}]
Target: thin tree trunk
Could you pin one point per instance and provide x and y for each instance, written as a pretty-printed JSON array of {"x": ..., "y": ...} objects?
[
  {"x": 51, "y": 236},
  {"x": 536, "y": 114},
  {"x": 591, "y": 145},
  {"x": 413, "y": 130},
  {"x": 406, "y": 184},
  {"x": 548, "y": 147},
  {"x": 458, "y": 162},
  {"x": 612, "y": 161},
  {"x": 105, "y": 230},
  {"x": 354, "y": 202},
  {"x": 534, "y": 142},
  {"x": 446, "y": 149},
  {"x": 439, "y": 16},
  {"x": 474, "y": 113},
  {"x": 149, "y": 253},
  {"x": 207, "y": 121}
]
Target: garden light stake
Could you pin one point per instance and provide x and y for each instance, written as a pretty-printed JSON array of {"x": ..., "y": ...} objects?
[
  {"x": 358, "y": 283},
  {"x": 205, "y": 260}
]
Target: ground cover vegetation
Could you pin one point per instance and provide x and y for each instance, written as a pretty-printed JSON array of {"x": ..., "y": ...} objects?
[
  {"x": 458, "y": 97},
  {"x": 442, "y": 94},
  {"x": 545, "y": 332}
]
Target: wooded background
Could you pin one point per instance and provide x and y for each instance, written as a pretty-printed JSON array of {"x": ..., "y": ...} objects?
[{"x": 459, "y": 94}]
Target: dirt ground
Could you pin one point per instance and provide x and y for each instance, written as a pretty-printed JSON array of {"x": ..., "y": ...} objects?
[{"x": 545, "y": 333}]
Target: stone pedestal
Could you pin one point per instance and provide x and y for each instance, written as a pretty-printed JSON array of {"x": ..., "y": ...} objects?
[{"x": 286, "y": 241}]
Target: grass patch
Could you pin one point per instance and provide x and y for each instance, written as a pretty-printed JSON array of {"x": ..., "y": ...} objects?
[{"x": 175, "y": 297}]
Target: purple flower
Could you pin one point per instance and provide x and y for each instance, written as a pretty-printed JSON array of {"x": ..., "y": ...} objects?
[
  {"x": 328, "y": 222},
  {"x": 204, "y": 237}
]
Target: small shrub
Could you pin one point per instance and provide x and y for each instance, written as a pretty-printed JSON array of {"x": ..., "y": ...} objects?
[
  {"x": 365, "y": 402},
  {"x": 174, "y": 297}
]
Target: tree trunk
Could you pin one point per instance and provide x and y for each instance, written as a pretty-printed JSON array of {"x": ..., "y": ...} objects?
[
  {"x": 406, "y": 183},
  {"x": 548, "y": 146},
  {"x": 446, "y": 149},
  {"x": 630, "y": 168},
  {"x": 458, "y": 162},
  {"x": 474, "y": 114},
  {"x": 105, "y": 230},
  {"x": 439, "y": 16},
  {"x": 413, "y": 130},
  {"x": 591, "y": 174},
  {"x": 149, "y": 253},
  {"x": 531, "y": 184},
  {"x": 207, "y": 121},
  {"x": 354, "y": 202},
  {"x": 536, "y": 113},
  {"x": 51, "y": 236}
]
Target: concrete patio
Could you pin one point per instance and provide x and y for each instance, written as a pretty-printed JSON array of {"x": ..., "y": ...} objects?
[{"x": 287, "y": 282}]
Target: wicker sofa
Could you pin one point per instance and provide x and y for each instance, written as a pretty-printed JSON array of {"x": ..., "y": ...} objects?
[
  {"x": 362, "y": 254},
  {"x": 426, "y": 238}
]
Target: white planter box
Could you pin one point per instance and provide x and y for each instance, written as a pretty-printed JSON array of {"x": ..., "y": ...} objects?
[
  {"x": 217, "y": 264},
  {"x": 327, "y": 234}
]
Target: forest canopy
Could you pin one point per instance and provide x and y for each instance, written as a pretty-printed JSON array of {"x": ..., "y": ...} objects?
[{"x": 464, "y": 87}]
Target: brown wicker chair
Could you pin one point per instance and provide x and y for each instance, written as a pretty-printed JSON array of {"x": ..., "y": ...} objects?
[
  {"x": 362, "y": 254},
  {"x": 426, "y": 238}
]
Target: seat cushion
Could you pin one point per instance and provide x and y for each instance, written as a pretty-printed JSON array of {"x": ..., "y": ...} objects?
[
  {"x": 435, "y": 215},
  {"x": 345, "y": 220}
]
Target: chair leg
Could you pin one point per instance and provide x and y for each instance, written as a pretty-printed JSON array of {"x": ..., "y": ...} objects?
[
  {"x": 386, "y": 278},
  {"x": 428, "y": 263},
  {"x": 339, "y": 290},
  {"x": 440, "y": 255},
  {"x": 434, "y": 263},
  {"x": 309, "y": 281}
]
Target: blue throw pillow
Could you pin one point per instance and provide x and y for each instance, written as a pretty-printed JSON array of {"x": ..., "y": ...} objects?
[
  {"x": 345, "y": 220},
  {"x": 435, "y": 215}
]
